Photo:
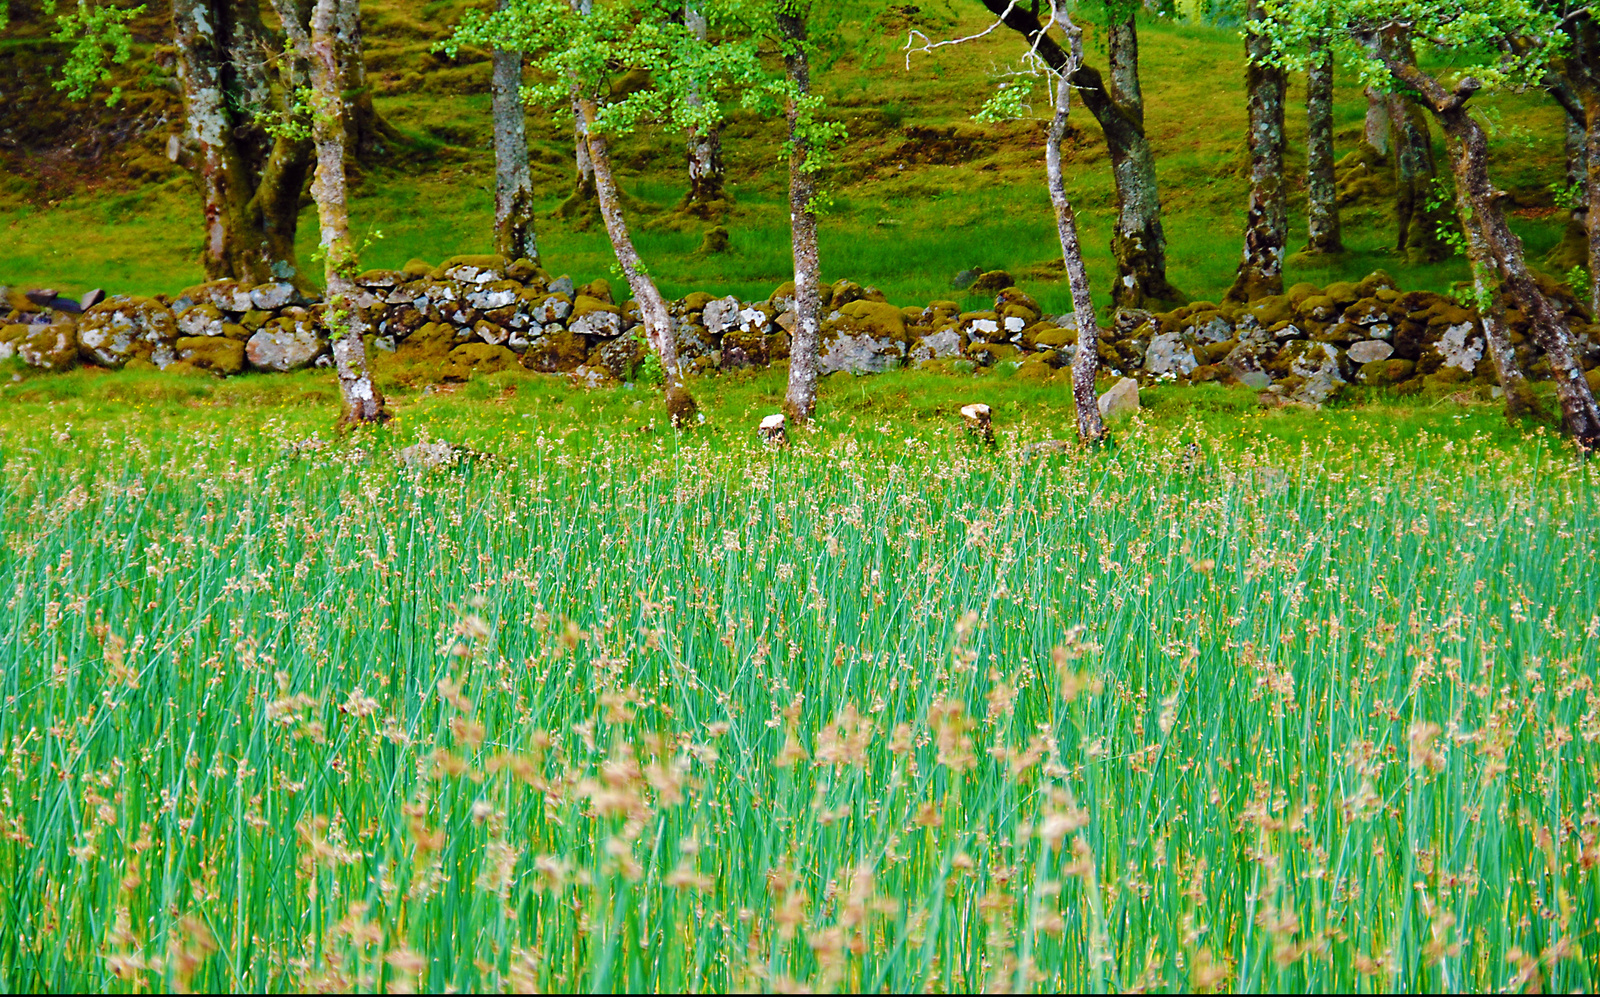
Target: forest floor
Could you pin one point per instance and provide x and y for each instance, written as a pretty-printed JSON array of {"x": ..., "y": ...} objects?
[{"x": 921, "y": 190}]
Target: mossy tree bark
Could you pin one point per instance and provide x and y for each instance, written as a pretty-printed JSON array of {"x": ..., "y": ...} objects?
[
  {"x": 515, "y": 236},
  {"x": 327, "y": 49},
  {"x": 706, "y": 197},
  {"x": 652, "y": 306},
  {"x": 1416, "y": 173},
  {"x": 250, "y": 181},
  {"x": 1375, "y": 126},
  {"x": 1138, "y": 240},
  {"x": 1576, "y": 86},
  {"x": 800, "y": 399},
  {"x": 1266, "y": 227},
  {"x": 1086, "y": 361},
  {"x": 1322, "y": 195},
  {"x": 1480, "y": 204}
]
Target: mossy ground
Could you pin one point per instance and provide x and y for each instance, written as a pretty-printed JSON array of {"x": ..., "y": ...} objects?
[{"x": 921, "y": 191}]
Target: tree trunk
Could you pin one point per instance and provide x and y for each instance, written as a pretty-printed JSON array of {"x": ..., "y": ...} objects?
[
  {"x": 1138, "y": 242},
  {"x": 1415, "y": 177},
  {"x": 652, "y": 306},
  {"x": 1591, "y": 195},
  {"x": 250, "y": 212},
  {"x": 1375, "y": 130},
  {"x": 706, "y": 196},
  {"x": 363, "y": 403},
  {"x": 365, "y": 130},
  {"x": 1267, "y": 219},
  {"x": 514, "y": 235},
  {"x": 1322, "y": 207},
  {"x": 1519, "y": 398},
  {"x": 1086, "y": 361},
  {"x": 1469, "y": 160},
  {"x": 800, "y": 400},
  {"x": 1573, "y": 249}
]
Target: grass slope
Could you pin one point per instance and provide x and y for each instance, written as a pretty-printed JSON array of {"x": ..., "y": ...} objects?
[{"x": 922, "y": 190}]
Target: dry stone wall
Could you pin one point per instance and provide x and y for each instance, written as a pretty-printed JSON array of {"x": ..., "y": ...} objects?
[{"x": 482, "y": 314}]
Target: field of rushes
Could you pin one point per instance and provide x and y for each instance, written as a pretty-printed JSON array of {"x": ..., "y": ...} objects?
[{"x": 658, "y": 716}]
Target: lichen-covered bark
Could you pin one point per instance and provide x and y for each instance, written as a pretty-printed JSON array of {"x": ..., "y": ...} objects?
[
  {"x": 1322, "y": 208},
  {"x": 1415, "y": 176},
  {"x": 1575, "y": 83},
  {"x": 363, "y": 403},
  {"x": 250, "y": 183},
  {"x": 1138, "y": 240},
  {"x": 367, "y": 133},
  {"x": 652, "y": 306},
  {"x": 514, "y": 234},
  {"x": 1086, "y": 361},
  {"x": 1375, "y": 127},
  {"x": 1266, "y": 227},
  {"x": 1480, "y": 206},
  {"x": 1519, "y": 399},
  {"x": 800, "y": 398},
  {"x": 706, "y": 196}
]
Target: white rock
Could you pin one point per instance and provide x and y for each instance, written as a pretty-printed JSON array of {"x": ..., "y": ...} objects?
[
  {"x": 1370, "y": 350},
  {"x": 1122, "y": 399}
]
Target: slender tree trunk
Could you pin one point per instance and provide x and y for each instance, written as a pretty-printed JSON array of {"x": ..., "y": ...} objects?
[
  {"x": 1591, "y": 192},
  {"x": 514, "y": 234},
  {"x": 652, "y": 306},
  {"x": 365, "y": 130},
  {"x": 1469, "y": 161},
  {"x": 1375, "y": 129},
  {"x": 704, "y": 146},
  {"x": 363, "y": 403},
  {"x": 1519, "y": 398},
  {"x": 800, "y": 400},
  {"x": 1139, "y": 241},
  {"x": 1086, "y": 361},
  {"x": 1267, "y": 219},
  {"x": 1322, "y": 205}
]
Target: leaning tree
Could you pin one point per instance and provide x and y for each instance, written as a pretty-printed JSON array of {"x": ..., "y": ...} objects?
[{"x": 580, "y": 48}]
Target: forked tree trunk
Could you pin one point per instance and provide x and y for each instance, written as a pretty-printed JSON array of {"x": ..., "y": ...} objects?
[
  {"x": 1591, "y": 195},
  {"x": 514, "y": 233},
  {"x": 1322, "y": 196},
  {"x": 365, "y": 130},
  {"x": 652, "y": 306},
  {"x": 250, "y": 212},
  {"x": 1266, "y": 228},
  {"x": 1469, "y": 161},
  {"x": 1415, "y": 177},
  {"x": 363, "y": 403},
  {"x": 1086, "y": 361},
  {"x": 800, "y": 400},
  {"x": 1575, "y": 84},
  {"x": 704, "y": 146},
  {"x": 1138, "y": 241}
]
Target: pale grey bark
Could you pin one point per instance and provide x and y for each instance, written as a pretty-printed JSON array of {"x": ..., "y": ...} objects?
[
  {"x": 1322, "y": 205},
  {"x": 800, "y": 398},
  {"x": 1267, "y": 217},
  {"x": 363, "y": 403},
  {"x": 1086, "y": 361},
  {"x": 514, "y": 233},
  {"x": 704, "y": 145},
  {"x": 1375, "y": 130},
  {"x": 652, "y": 306}
]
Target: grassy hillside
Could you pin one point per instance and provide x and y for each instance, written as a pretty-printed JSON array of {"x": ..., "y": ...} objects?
[{"x": 922, "y": 190}]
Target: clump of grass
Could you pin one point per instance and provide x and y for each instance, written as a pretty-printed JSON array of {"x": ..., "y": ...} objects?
[{"x": 882, "y": 711}]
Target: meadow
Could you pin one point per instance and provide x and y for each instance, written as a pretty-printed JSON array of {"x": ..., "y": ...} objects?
[{"x": 1248, "y": 700}]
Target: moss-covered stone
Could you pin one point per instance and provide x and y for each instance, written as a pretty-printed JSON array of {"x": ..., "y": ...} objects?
[
  {"x": 1049, "y": 337},
  {"x": 696, "y": 301},
  {"x": 992, "y": 282},
  {"x": 989, "y": 354},
  {"x": 429, "y": 345},
  {"x": 620, "y": 356},
  {"x": 477, "y": 358},
  {"x": 417, "y": 269},
  {"x": 472, "y": 268},
  {"x": 1272, "y": 309},
  {"x": 1386, "y": 373},
  {"x": 11, "y": 336},
  {"x": 599, "y": 289},
  {"x": 114, "y": 332},
  {"x": 50, "y": 347},
  {"x": 557, "y": 351},
  {"x": 220, "y": 355},
  {"x": 874, "y": 318}
]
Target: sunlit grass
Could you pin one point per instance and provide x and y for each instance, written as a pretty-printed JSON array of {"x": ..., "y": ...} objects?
[{"x": 1210, "y": 709}]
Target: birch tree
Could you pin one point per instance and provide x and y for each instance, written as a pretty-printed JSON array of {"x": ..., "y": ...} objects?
[
  {"x": 579, "y": 47},
  {"x": 800, "y": 397},
  {"x": 324, "y": 48},
  {"x": 1323, "y": 235},
  {"x": 1266, "y": 226}
]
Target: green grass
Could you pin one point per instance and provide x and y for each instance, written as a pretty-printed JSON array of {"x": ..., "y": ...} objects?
[{"x": 618, "y": 709}]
